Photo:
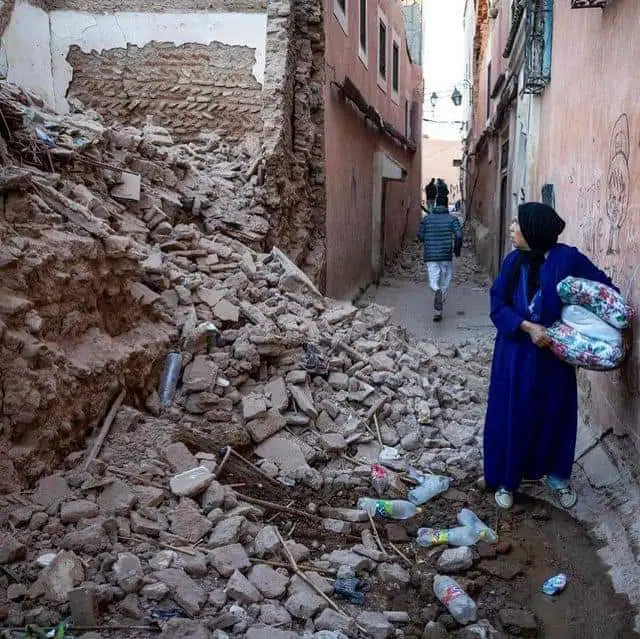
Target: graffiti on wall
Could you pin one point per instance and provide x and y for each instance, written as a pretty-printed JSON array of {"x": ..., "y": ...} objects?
[
  {"x": 618, "y": 179},
  {"x": 608, "y": 219}
]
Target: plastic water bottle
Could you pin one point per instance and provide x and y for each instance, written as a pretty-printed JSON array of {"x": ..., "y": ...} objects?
[
  {"x": 468, "y": 518},
  {"x": 455, "y": 600},
  {"x": 390, "y": 509},
  {"x": 169, "y": 379},
  {"x": 429, "y": 487},
  {"x": 462, "y": 536}
]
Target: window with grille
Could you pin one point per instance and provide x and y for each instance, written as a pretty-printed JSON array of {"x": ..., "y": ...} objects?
[
  {"x": 395, "y": 68},
  {"x": 382, "y": 49}
]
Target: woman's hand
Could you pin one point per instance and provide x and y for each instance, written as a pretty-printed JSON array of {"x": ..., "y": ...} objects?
[{"x": 537, "y": 333}]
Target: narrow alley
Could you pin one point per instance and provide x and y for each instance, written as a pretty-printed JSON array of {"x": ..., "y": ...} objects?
[{"x": 231, "y": 404}]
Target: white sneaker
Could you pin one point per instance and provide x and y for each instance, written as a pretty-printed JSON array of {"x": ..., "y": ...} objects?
[
  {"x": 566, "y": 495},
  {"x": 504, "y": 498}
]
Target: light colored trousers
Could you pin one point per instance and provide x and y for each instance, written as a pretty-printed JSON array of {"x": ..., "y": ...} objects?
[{"x": 440, "y": 275}]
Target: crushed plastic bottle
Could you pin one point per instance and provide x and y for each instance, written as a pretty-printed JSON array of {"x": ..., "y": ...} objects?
[
  {"x": 429, "y": 486},
  {"x": 462, "y": 536},
  {"x": 455, "y": 600},
  {"x": 169, "y": 379},
  {"x": 388, "y": 508},
  {"x": 351, "y": 589},
  {"x": 555, "y": 584},
  {"x": 379, "y": 479},
  {"x": 468, "y": 518}
]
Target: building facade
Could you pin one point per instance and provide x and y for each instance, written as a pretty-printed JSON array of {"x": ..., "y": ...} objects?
[
  {"x": 555, "y": 118},
  {"x": 372, "y": 119},
  {"x": 441, "y": 159}
]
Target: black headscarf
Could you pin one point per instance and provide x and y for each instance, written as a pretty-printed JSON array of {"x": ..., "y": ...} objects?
[{"x": 540, "y": 225}]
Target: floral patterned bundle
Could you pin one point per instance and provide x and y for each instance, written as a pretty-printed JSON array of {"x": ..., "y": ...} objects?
[
  {"x": 601, "y": 300},
  {"x": 579, "y": 350}
]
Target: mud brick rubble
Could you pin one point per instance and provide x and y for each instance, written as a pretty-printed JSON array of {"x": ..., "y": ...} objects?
[{"x": 95, "y": 291}]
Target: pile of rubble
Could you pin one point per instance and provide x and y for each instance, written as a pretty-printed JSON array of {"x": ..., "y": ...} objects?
[
  {"x": 105, "y": 253},
  {"x": 118, "y": 246},
  {"x": 409, "y": 265}
]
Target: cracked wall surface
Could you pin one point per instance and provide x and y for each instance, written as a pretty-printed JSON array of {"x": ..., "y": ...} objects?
[
  {"x": 293, "y": 118},
  {"x": 190, "y": 89}
]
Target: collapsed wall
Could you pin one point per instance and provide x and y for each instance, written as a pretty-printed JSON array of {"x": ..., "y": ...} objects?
[
  {"x": 294, "y": 133},
  {"x": 253, "y": 75},
  {"x": 97, "y": 281}
]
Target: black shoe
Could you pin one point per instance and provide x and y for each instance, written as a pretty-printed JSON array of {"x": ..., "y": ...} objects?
[
  {"x": 437, "y": 317},
  {"x": 437, "y": 304}
]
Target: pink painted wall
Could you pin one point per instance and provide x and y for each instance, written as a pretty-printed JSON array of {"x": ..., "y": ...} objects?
[
  {"x": 350, "y": 145},
  {"x": 437, "y": 161},
  {"x": 589, "y": 149}
]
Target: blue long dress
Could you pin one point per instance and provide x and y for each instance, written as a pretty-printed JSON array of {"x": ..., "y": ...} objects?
[{"x": 531, "y": 423}]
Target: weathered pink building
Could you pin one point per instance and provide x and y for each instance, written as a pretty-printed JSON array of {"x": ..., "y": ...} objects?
[
  {"x": 556, "y": 118},
  {"x": 372, "y": 124},
  {"x": 589, "y": 150},
  {"x": 440, "y": 158}
]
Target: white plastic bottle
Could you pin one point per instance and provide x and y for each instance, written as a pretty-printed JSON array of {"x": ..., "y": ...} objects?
[
  {"x": 391, "y": 509},
  {"x": 429, "y": 487},
  {"x": 455, "y": 600},
  {"x": 468, "y": 518},
  {"x": 462, "y": 536}
]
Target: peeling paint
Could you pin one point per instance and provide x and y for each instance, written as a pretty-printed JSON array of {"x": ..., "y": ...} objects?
[{"x": 37, "y": 59}]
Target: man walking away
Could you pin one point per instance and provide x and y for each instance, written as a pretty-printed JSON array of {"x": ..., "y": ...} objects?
[
  {"x": 438, "y": 230},
  {"x": 431, "y": 191}
]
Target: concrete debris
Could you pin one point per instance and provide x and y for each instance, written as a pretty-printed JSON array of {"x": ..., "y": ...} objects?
[
  {"x": 375, "y": 624},
  {"x": 191, "y": 482},
  {"x": 242, "y": 590},
  {"x": 128, "y": 572},
  {"x": 55, "y": 582},
  {"x": 95, "y": 291}
]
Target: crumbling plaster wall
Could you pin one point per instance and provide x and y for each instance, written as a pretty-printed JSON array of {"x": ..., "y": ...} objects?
[
  {"x": 289, "y": 64},
  {"x": 110, "y": 6},
  {"x": 36, "y": 44},
  {"x": 293, "y": 118}
]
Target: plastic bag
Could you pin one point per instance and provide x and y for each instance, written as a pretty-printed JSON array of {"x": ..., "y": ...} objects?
[
  {"x": 601, "y": 300},
  {"x": 589, "y": 324},
  {"x": 579, "y": 350}
]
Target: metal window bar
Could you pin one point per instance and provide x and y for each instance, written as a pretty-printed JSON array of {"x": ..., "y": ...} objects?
[
  {"x": 538, "y": 46},
  {"x": 412, "y": 10}
]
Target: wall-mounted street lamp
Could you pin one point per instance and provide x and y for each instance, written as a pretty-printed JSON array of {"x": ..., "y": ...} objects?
[{"x": 456, "y": 97}]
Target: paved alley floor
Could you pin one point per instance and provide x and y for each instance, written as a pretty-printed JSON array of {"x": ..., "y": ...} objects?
[{"x": 405, "y": 289}]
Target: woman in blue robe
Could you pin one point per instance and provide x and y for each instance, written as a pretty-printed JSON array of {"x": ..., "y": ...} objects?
[{"x": 532, "y": 413}]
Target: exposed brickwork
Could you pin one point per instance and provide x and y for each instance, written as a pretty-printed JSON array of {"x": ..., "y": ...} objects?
[
  {"x": 158, "y": 5},
  {"x": 294, "y": 133},
  {"x": 189, "y": 89}
]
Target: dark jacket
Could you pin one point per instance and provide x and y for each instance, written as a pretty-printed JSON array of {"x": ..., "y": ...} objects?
[{"x": 437, "y": 232}]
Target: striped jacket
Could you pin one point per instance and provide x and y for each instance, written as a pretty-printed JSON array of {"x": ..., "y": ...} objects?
[{"x": 437, "y": 232}]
